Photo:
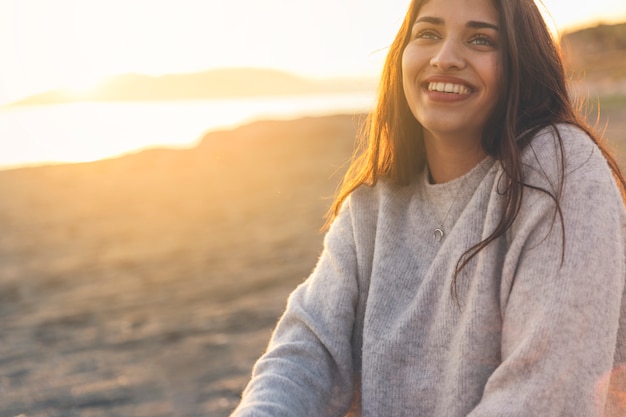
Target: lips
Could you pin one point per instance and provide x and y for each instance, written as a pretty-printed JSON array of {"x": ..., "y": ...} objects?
[{"x": 450, "y": 88}]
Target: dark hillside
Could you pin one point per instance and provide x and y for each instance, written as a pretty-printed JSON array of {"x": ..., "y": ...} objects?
[{"x": 596, "y": 56}]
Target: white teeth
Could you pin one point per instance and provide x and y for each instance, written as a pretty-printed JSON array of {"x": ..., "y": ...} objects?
[{"x": 448, "y": 88}]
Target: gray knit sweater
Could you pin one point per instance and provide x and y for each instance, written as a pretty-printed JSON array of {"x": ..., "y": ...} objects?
[{"x": 534, "y": 331}]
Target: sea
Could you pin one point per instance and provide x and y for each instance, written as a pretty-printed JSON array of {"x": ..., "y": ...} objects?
[{"x": 89, "y": 131}]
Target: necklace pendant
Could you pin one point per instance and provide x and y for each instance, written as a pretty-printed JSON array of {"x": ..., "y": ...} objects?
[{"x": 438, "y": 234}]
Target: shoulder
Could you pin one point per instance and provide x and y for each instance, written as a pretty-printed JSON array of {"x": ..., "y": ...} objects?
[
  {"x": 563, "y": 165},
  {"x": 564, "y": 169},
  {"x": 563, "y": 151},
  {"x": 570, "y": 191}
]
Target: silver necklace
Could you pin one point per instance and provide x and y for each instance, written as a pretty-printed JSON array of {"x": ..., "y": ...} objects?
[{"x": 439, "y": 232}]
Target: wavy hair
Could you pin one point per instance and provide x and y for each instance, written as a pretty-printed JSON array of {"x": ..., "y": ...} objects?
[{"x": 534, "y": 96}]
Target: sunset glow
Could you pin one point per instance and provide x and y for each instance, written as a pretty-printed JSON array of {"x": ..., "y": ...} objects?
[{"x": 72, "y": 43}]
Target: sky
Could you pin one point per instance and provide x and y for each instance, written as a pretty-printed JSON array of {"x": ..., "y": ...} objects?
[{"x": 47, "y": 44}]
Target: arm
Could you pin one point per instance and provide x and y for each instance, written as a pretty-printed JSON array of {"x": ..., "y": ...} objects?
[
  {"x": 561, "y": 315},
  {"x": 307, "y": 368}
]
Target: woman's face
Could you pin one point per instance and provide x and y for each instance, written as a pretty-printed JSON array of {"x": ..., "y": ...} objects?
[{"x": 451, "y": 71}]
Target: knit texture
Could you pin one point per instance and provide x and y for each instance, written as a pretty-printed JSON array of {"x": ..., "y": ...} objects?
[{"x": 533, "y": 331}]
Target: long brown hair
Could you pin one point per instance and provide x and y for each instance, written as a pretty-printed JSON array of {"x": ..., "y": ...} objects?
[{"x": 534, "y": 96}]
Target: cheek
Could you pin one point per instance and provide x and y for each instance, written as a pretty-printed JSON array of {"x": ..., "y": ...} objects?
[
  {"x": 406, "y": 73},
  {"x": 492, "y": 74},
  {"x": 411, "y": 67},
  {"x": 406, "y": 64},
  {"x": 410, "y": 61}
]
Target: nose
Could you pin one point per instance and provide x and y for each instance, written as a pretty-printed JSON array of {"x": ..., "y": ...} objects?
[{"x": 448, "y": 56}]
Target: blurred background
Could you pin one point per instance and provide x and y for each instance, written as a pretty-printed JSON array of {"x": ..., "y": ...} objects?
[{"x": 165, "y": 167}]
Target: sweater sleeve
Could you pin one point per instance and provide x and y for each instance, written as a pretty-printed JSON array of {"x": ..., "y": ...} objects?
[
  {"x": 307, "y": 368},
  {"x": 562, "y": 287}
]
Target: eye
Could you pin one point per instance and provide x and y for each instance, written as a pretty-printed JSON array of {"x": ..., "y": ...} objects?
[
  {"x": 482, "y": 40},
  {"x": 427, "y": 34}
]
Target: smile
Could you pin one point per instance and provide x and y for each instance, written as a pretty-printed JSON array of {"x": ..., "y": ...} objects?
[{"x": 449, "y": 88}]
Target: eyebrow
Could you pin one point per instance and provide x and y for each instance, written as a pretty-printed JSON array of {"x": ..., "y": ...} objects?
[{"x": 473, "y": 24}]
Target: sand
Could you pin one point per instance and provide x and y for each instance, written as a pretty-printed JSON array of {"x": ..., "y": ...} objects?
[{"x": 149, "y": 284}]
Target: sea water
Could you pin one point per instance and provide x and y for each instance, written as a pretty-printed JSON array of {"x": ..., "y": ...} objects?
[{"x": 81, "y": 132}]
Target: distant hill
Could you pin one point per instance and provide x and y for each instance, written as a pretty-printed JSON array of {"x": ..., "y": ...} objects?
[
  {"x": 219, "y": 83},
  {"x": 597, "y": 57}
]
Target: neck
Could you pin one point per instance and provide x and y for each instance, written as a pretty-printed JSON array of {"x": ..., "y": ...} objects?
[{"x": 450, "y": 158}]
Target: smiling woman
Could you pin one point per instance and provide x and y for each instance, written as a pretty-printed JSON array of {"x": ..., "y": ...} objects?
[
  {"x": 474, "y": 261},
  {"x": 453, "y": 106}
]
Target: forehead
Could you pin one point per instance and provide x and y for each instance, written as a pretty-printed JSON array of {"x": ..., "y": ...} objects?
[{"x": 460, "y": 10}]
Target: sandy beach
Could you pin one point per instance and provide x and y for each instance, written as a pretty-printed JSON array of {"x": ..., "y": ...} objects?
[{"x": 147, "y": 285}]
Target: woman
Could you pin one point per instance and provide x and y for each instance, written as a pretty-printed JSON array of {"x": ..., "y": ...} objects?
[{"x": 475, "y": 261}]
